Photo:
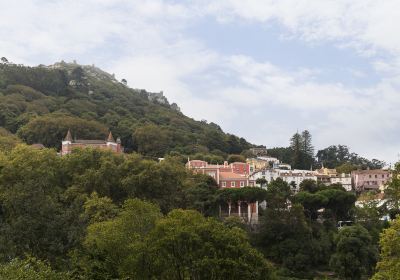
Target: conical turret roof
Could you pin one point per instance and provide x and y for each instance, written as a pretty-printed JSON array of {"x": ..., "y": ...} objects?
[
  {"x": 68, "y": 137},
  {"x": 110, "y": 137}
]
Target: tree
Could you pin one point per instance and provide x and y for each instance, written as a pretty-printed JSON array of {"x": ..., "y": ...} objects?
[
  {"x": 262, "y": 182},
  {"x": 236, "y": 158},
  {"x": 185, "y": 245},
  {"x": 152, "y": 140},
  {"x": 114, "y": 246},
  {"x": 392, "y": 193},
  {"x": 78, "y": 74},
  {"x": 30, "y": 269},
  {"x": 388, "y": 268},
  {"x": 33, "y": 220},
  {"x": 309, "y": 185},
  {"x": 296, "y": 144},
  {"x": 308, "y": 148},
  {"x": 51, "y": 129},
  {"x": 285, "y": 238},
  {"x": 311, "y": 202},
  {"x": 202, "y": 197},
  {"x": 355, "y": 254},
  {"x": 346, "y": 168},
  {"x": 278, "y": 194}
]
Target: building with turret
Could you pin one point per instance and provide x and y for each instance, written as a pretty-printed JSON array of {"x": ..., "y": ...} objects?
[{"x": 68, "y": 144}]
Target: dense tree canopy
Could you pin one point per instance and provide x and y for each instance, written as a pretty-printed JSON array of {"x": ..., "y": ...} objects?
[
  {"x": 355, "y": 253},
  {"x": 388, "y": 268},
  {"x": 41, "y": 103}
]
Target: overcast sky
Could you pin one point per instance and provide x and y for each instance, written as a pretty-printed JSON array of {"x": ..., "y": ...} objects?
[{"x": 260, "y": 69}]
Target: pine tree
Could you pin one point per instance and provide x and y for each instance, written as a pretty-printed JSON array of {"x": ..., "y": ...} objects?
[
  {"x": 296, "y": 144},
  {"x": 308, "y": 148}
]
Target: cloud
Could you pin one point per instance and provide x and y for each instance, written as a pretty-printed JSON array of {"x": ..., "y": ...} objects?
[{"x": 149, "y": 43}]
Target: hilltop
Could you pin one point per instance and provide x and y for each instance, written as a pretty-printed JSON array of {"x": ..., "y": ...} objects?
[{"x": 39, "y": 104}]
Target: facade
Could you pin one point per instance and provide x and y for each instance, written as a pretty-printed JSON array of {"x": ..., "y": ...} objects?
[
  {"x": 365, "y": 180},
  {"x": 227, "y": 175},
  {"x": 262, "y": 162},
  {"x": 344, "y": 180},
  {"x": 289, "y": 176},
  {"x": 68, "y": 144},
  {"x": 234, "y": 175}
]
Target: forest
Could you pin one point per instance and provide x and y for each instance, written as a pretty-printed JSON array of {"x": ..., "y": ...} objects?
[{"x": 99, "y": 215}]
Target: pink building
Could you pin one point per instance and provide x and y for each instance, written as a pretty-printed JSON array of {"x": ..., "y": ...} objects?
[
  {"x": 234, "y": 175},
  {"x": 68, "y": 144},
  {"x": 364, "y": 180}
]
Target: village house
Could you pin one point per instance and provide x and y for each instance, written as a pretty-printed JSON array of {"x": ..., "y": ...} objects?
[
  {"x": 365, "y": 180},
  {"x": 68, "y": 144},
  {"x": 292, "y": 177},
  {"x": 234, "y": 175},
  {"x": 227, "y": 175}
]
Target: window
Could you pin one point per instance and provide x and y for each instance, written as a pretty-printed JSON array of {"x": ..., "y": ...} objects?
[
  {"x": 224, "y": 184},
  {"x": 233, "y": 184},
  {"x": 241, "y": 184},
  {"x": 383, "y": 176},
  {"x": 376, "y": 176},
  {"x": 369, "y": 176}
]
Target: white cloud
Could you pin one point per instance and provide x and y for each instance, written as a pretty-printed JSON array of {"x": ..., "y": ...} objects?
[{"x": 147, "y": 43}]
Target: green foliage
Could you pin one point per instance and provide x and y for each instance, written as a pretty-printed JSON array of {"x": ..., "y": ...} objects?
[
  {"x": 152, "y": 140},
  {"x": 236, "y": 158},
  {"x": 7, "y": 140},
  {"x": 51, "y": 129},
  {"x": 249, "y": 194},
  {"x": 346, "y": 168},
  {"x": 140, "y": 244},
  {"x": 340, "y": 155},
  {"x": 202, "y": 196},
  {"x": 392, "y": 193},
  {"x": 29, "y": 196},
  {"x": 355, "y": 255},
  {"x": 30, "y": 269},
  {"x": 42, "y": 103},
  {"x": 114, "y": 248},
  {"x": 188, "y": 246},
  {"x": 388, "y": 268},
  {"x": 286, "y": 238},
  {"x": 99, "y": 209}
]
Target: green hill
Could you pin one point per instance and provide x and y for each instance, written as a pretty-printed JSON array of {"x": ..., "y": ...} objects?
[{"x": 39, "y": 104}]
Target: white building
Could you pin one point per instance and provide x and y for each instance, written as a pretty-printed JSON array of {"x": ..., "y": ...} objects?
[
  {"x": 344, "y": 179},
  {"x": 289, "y": 176}
]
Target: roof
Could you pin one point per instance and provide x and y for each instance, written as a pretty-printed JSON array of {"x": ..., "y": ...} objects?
[
  {"x": 81, "y": 141},
  {"x": 38, "y": 146},
  {"x": 230, "y": 176},
  {"x": 68, "y": 137},
  {"x": 110, "y": 137}
]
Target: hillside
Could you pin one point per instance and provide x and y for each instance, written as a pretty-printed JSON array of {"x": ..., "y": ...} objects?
[{"x": 39, "y": 104}]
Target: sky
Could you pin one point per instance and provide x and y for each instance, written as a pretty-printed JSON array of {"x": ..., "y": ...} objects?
[{"x": 261, "y": 69}]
